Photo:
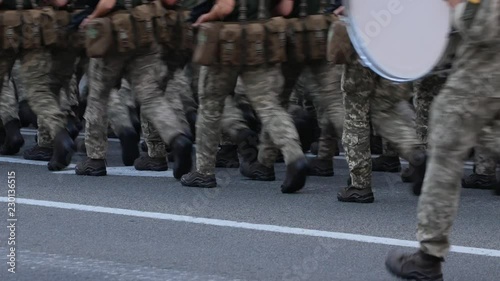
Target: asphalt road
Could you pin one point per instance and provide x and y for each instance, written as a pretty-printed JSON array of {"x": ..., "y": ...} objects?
[{"x": 146, "y": 226}]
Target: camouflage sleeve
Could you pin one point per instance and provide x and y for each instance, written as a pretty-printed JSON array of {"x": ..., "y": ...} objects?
[{"x": 485, "y": 28}]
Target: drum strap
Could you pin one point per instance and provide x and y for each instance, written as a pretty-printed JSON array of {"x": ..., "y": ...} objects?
[{"x": 470, "y": 12}]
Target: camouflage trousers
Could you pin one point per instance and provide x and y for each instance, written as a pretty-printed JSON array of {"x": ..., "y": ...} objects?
[
  {"x": 120, "y": 100},
  {"x": 176, "y": 86},
  {"x": 141, "y": 68},
  {"x": 262, "y": 92},
  {"x": 64, "y": 83},
  {"x": 323, "y": 85},
  {"x": 463, "y": 115},
  {"x": 38, "y": 72},
  {"x": 8, "y": 102},
  {"x": 368, "y": 96},
  {"x": 484, "y": 161},
  {"x": 426, "y": 90}
]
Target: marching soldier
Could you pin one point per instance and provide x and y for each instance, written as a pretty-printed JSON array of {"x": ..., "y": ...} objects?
[
  {"x": 457, "y": 123},
  {"x": 141, "y": 66},
  {"x": 261, "y": 79}
]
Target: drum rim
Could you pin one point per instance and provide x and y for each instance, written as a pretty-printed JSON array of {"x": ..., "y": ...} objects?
[{"x": 355, "y": 40}]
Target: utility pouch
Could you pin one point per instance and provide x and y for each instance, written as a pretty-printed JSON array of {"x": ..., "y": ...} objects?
[
  {"x": 206, "y": 51},
  {"x": 31, "y": 33},
  {"x": 317, "y": 32},
  {"x": 48, "y": 26},
  {"x": 143, "y": 22},
  {"x": 99, "y": 39},
  {"x": 123, "y": 31},
  {"x": 10, "y": 30},
  {"x": 230, "y": 40},
  {"x": 276, "y": 40},
  {"x": 255, "y": 37},
  {"x": 339, "y": 47}
]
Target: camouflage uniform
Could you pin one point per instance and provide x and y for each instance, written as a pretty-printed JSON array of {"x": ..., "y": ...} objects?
[
  {"x": 118, "y": 108},
  {"x": 260, "y": 85},
  {"x": 485, "y": 162},
  {"x": 8, "y": 102},
  {"x": 426, "y": 90},
  {"x": 141, "y": 68},
  {"x": 368, "y": 96},
  {"x": 468, "y": 102}
]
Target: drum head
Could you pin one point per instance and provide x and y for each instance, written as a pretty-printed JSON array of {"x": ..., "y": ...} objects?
[{"x": 401, "y": 40}]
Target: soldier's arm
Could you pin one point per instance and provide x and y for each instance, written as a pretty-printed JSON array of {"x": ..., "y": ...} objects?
[
  {"x": 102, "y": 9},
  {"x": 57, "y": 3},
  {"x": 219, "y": 11},
  {"x": 170, "y": 2},
  {"x": 284, "y": 8}
]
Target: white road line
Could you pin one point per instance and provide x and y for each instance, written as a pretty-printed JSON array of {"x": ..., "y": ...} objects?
[
  {"x": 32, "y": 132},
  {"x": 249, "y": 226},
  {"x": 127, "y": 171},
  {"x": 111, "y": 171}
]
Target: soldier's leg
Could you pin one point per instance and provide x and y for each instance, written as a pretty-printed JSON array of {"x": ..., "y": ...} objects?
[
  {"x": 26, "y": 114},
  {"x": 37, "y": 68},
  {"x": 10, "y": 126},
  {"x": 263, "y": 91},
  {"x": 145, "y": 83},
  {"x": 103, "y": 76},
  {"x": 232, "y": 124},
  {"x": 484, "y": 175},
  {"x": 216, "y": 83},
  {"x": 120, "y": 119},
  {"x": 389, "y": 160},
  {"x": 357, "y": 83},
  {"x": 325, "y": 90},
  {"x": 392, "y": 122}
]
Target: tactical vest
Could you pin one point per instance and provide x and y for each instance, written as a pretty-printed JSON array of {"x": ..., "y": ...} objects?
[
  {"x": 307, "y": 34},
  {"x": 28, "y": 26},
  {"x": 254, "y": 42},
  {"x": 123, "y": 30}
]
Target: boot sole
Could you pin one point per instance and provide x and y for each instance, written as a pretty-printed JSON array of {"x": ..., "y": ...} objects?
[
  {"x": 361, "y": 199},
  {"x": 388, "y": 169},
  {"x": 160, "y": 168},
  {"x": 97, "y": 173},
  {"x": 256, "y": 176},
  {"x": 199, "y": 183},
  {"x": 298, "y": 182},
  {"x": 414, "y": 278},
  {"x": 320, "y": 173}
]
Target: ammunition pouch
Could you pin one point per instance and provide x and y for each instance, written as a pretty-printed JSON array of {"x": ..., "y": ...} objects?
[
  {"x": 308, "y": 38},
  {"x": 231, "y": 44},
  {"x": 10, "y": 30},
  {"x": 206, "y": 51},
  {"x": 339, "y": 47},
  {"x": 276, "y": 40},
  {"x": 31, "y": 31},
  {"x": 63, "y": 18},
  {"x": 163, "y": 21},
  {"x": 49, "y": 27},
  {"x": 254, "y": 44},
  {"x": 99, "y": 39},
  {"x": 123, "y": 31},
  {"x": 142, "y": 16}
]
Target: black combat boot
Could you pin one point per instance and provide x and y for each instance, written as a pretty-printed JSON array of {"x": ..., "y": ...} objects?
[
  {"x": 296, "y": 175},
  {"x": 146, "y": 163},
  {"x": 356, "y": 195},
  {"x": 72, "y": 127},
  {"x": 321, "y": 167},
  {"x": 419, "y": 162},
  {"x": 476, "y": 181},
  {"x": 247, "y": 145},
  {"x": 197, "y": 179},
  {"x": 38, "y": 153},
  {"x": 80, "y": 147},
  {"x": 134, "y": 119},
  {"x": 257, "y": 171},
  {"x": 2, "y": 135},
  {"x": 64, "y": 148},
  {"x": 91, "y": 167},
  {"x": 384, "y": 163},
  {"x": 418, "y": 266},
  {"x": 182, "y": 148},
  {"x": 26, "y": 115},
  {"x": 376, "y": 146},
  {"x": 406, "y": 174},
  {"x": 129, "y": 141},
  {"x": 314, "y": 148},
  {"x": 144, "y": 146},
  {"x": 227, "y": 157},
  {"x": 13, "y": 138},
  {"x": 191, "y": 118}
]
